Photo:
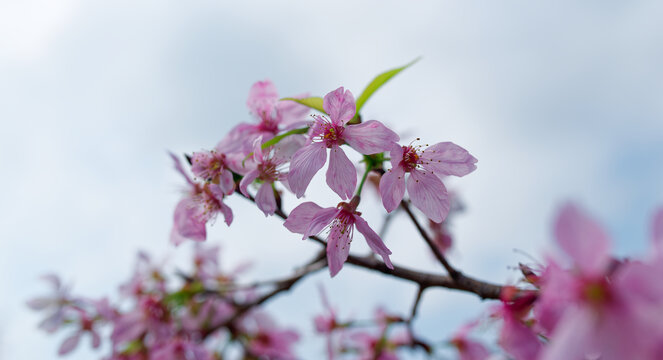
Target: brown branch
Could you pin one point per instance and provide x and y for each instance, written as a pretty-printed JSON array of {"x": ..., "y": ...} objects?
[
  {"x": 455, "y": 274},
  {"x": 465, "y": 283}
]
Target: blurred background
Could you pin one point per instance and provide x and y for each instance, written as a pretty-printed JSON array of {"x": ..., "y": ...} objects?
[{"x": 558, "y": 100}]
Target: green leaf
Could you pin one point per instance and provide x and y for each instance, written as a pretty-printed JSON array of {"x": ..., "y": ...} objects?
[
  {"x": 314, "y": 102},
  {"x": 378, "y": 82}
]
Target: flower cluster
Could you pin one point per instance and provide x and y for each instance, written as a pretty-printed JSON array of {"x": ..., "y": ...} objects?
[
  {"x": 199, "y": 319},
  {"x": 274, "y": 156}
]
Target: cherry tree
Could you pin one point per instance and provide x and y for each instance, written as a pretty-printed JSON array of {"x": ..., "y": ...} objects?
[{"x": 586, "y": 304}]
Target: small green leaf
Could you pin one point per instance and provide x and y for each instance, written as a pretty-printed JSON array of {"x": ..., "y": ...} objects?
[
  {"x": 313, "y": 102},
  {"x": 378, "y": 82}
]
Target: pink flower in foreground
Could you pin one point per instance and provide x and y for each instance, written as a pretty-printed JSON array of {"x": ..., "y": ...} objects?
[
  {"x": 310, "y": 219},
  {"x": 368, "y": 138},
  {"x": 516, "y": 337},
  {"x": 599, "y": 307},
  {"x": 202, "y": 204},
  {"x": 273, "y": 116},
  {"x": 269, "y": 169},
  {"x": 426, "y": 168}
]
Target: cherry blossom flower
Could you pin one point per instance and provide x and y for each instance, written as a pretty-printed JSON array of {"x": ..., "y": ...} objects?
[
  {"x": 59, "y": 303},
  {"x": 214, "y": 167},
  {"x": 86, "y": 325},
  {"x": 179, "y": 349},
  {"x": 273, "y": 116},
  {"x": 269, "y": 169},
  {"x": 599, "y": 307},
  {"x": 426, "y": 168},
  {"x": 310, "y": 219},
  {"x": 201, "y": 205},
  {"x": 368, "y": 138},
  {"x": 151, "y": 315},
  {"x": 266, "y": 339}
]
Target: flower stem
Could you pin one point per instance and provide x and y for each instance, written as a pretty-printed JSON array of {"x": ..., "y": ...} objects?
[{"x": 363, "y": 179}]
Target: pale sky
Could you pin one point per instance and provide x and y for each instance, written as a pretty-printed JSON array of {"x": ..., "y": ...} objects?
[{"x": 557, "y": 100}]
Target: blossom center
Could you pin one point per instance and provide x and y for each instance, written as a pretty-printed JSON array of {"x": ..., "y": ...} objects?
[
  {"x": 268, "y": 172},
  {"x": 596, "y": 292},
  {"x": 410, "y": 158}
]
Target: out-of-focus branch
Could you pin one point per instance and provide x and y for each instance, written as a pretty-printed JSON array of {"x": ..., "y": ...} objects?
[{"x": 318, "y": 263}]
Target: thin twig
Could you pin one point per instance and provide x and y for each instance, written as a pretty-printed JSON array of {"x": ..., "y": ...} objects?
[{"x": 455, "y": 274}]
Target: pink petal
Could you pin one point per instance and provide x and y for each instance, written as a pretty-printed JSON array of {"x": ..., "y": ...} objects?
[
  {"x": 373, "y": 240},
  {"x": 293, "y": 114},
  {"x": 303, "y": 166},
  {"x": 300, "y": 217},
  {"x": 265, "y": 199},
  {"x": 339, "y": 105},
  {"x": 338, "y": 248},
  {"x": 392, "y": 187},
  {"x": 369, "y": 138},
  {"x": 186, "y": 224},
  {"x": 428, "y": 194},
  {"x": 582, "y": 239},
  {"x": 257, "y": 150},
  {"x": 395, "y": 155},
  {"x": 96, "y": 339},
  {"x": 226, "y": 182},
  {"x": 320, "y": 220},
  {"x": 248, "y": 180},
  {"x": 341, "y": 173},
  {"x": 518, "y": 340},
  {"x": 41, "y": 303},
  {"x": 227, "y": 213},
  {"x": 180, "y": 169},
  {"x": 447, "y": 158},
  {"x": 657, "y": 230},
  {"x": 262, "y": 97},
  {"x": 69, "y": 344},
  {"x": 284, "y": 150},
  {"x": 574, "y": 336}
]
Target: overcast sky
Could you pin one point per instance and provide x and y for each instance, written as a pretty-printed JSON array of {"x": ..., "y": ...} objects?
[{"x": 558, "y": 101}]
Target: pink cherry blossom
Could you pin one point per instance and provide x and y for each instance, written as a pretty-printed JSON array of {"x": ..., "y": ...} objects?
[
  {"x": 310, "y": 219},
  {"x": 599, "y": 307},
  {"x": 273, "y": 116},
  {"x": 426, "y": 168},
  {"x": 179, "y": 349},
  {"x": 201, "y": 205},
  {"x": 267, "y": 339},
  {"x": 59, "y": 303},
  {"x": 213, "y": 167},
  {"x": 368, "y": 138},
  {"x": 151, "y": 315},
  {"x": 269, "y": 168}
]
